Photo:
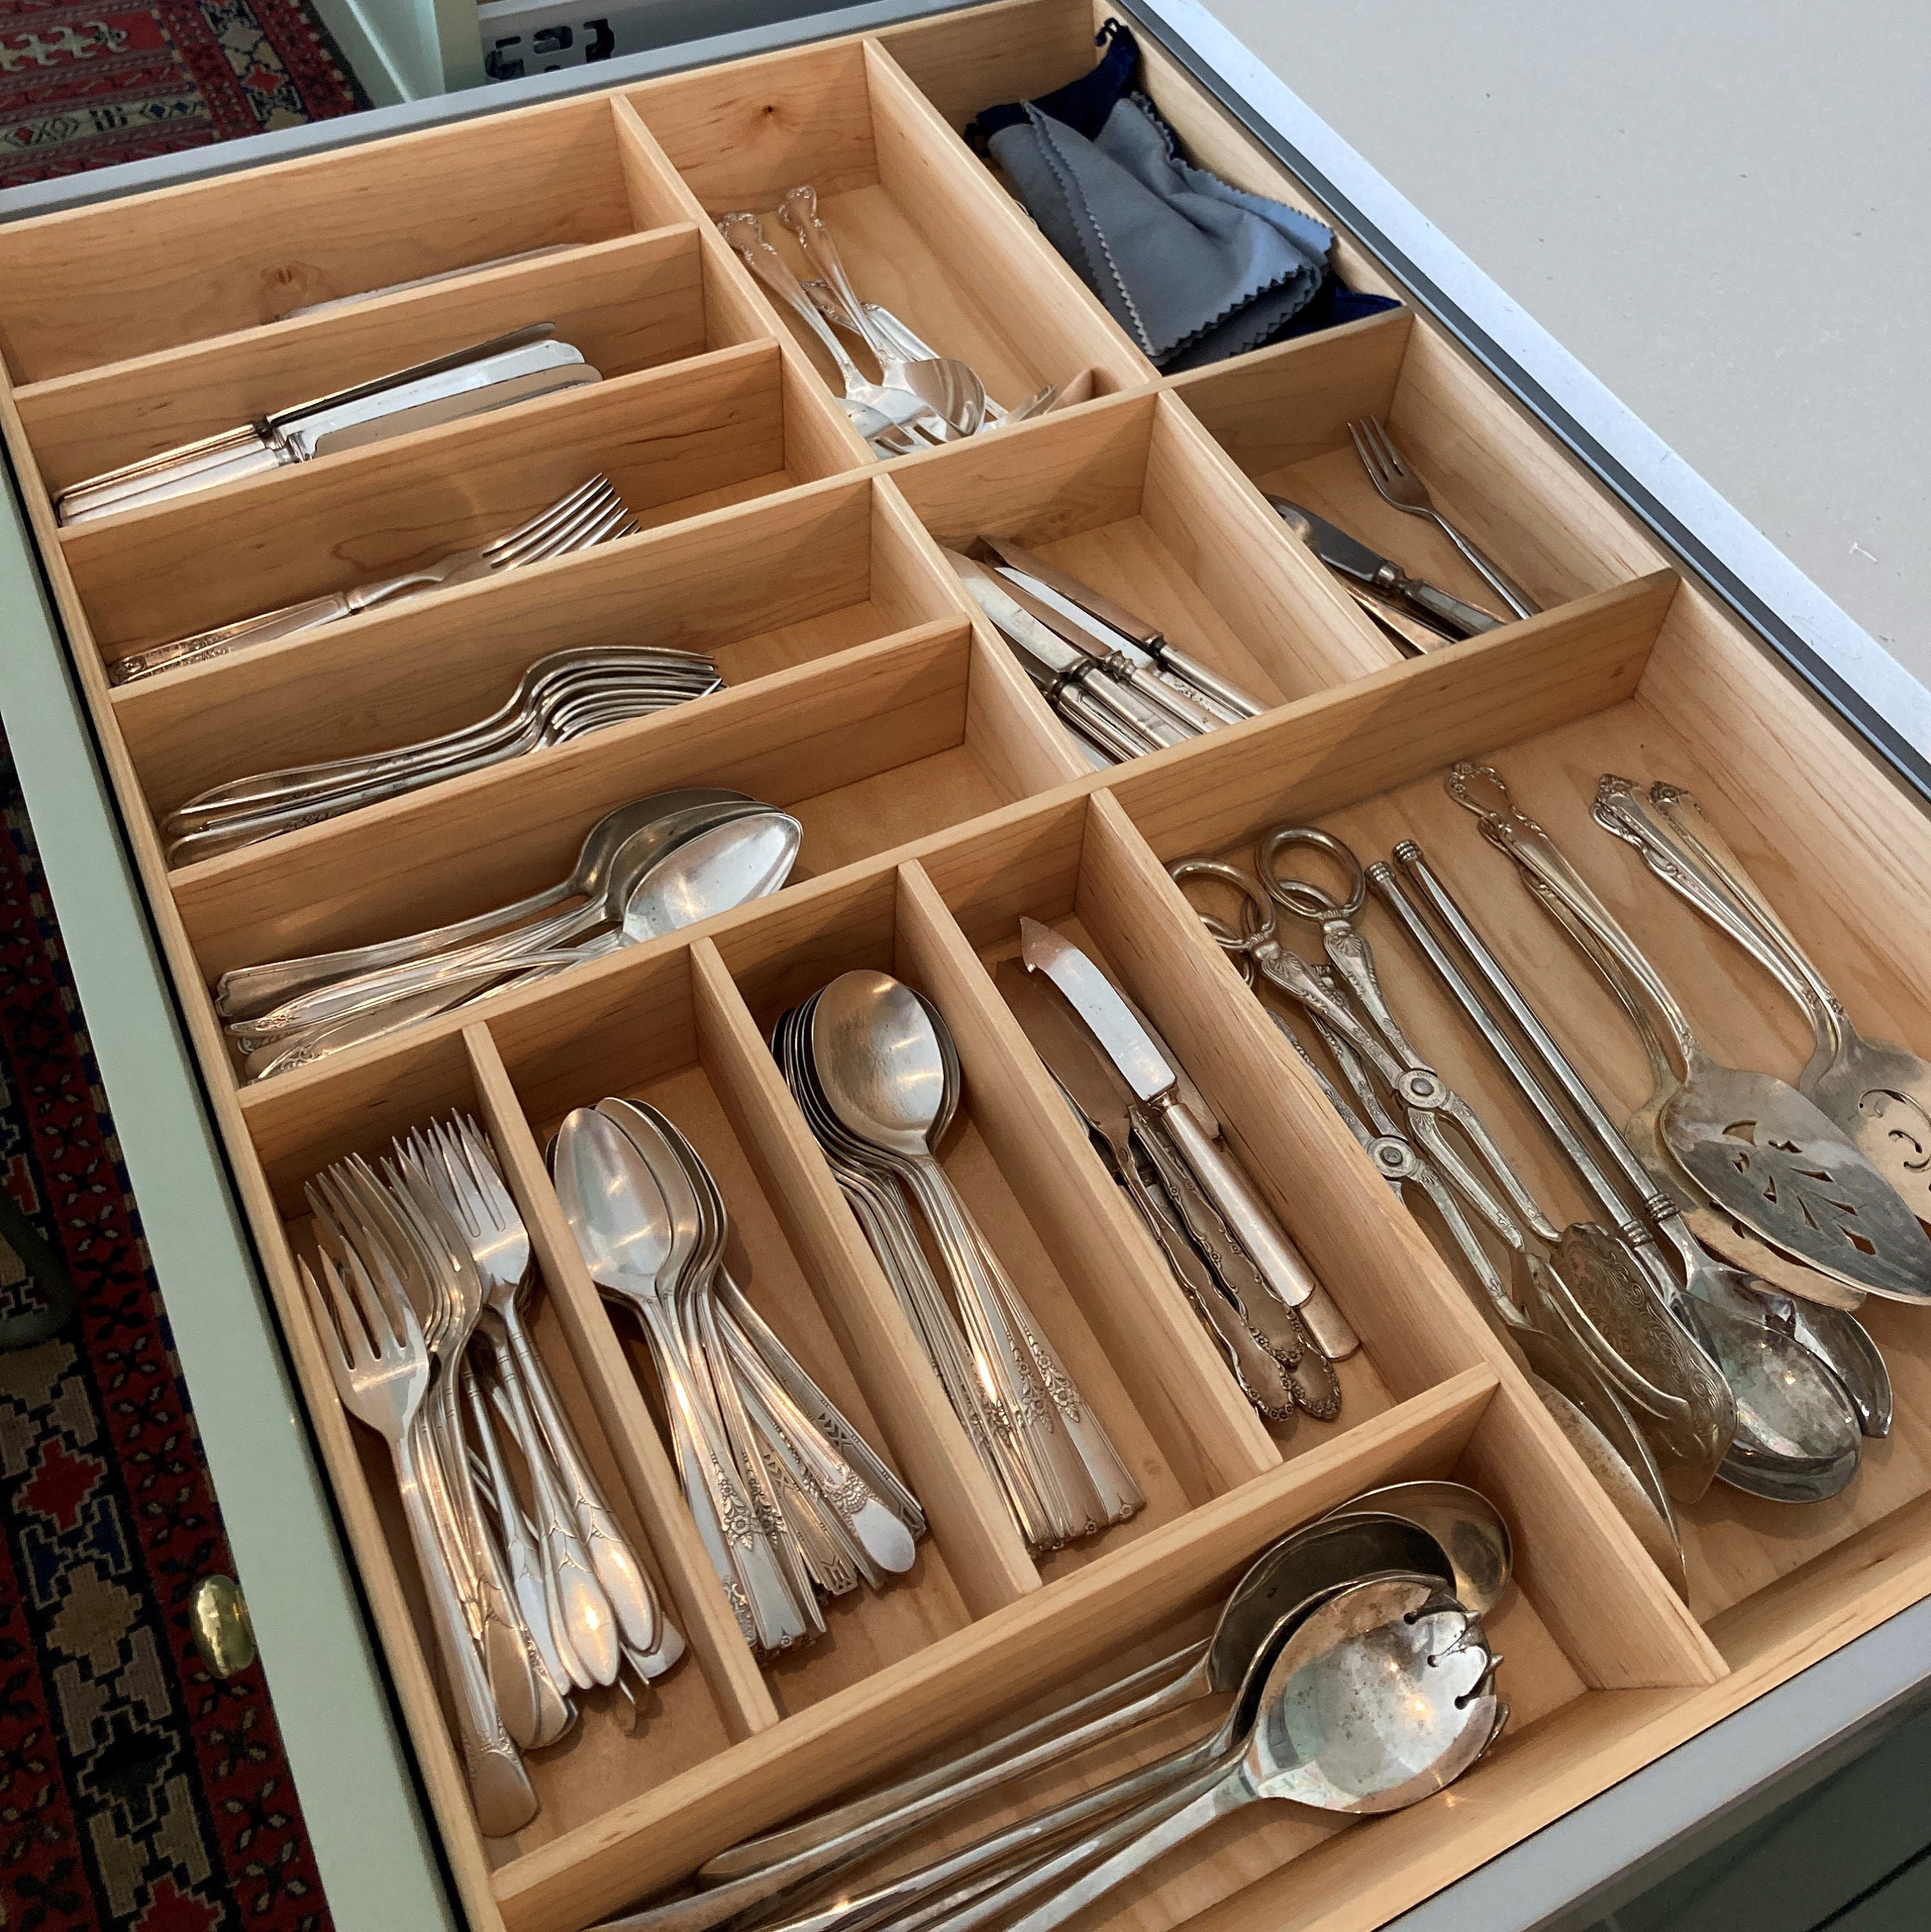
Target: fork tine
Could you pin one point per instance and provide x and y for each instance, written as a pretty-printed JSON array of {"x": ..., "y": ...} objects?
[
  {"x": 326, "y": 1332},
  {"x": 588, "y": 528},
  {"x": 563, "y": 507},
  {"x": 536, "y": 540},
  {"x": 358, "y": 1340},
  {"x": 1390, "y": 455},
  {"x": 1370, "y": 460}
]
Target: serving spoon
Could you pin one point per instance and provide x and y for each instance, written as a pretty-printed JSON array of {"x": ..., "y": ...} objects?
[
  {"x": 1321, "y": 1555},
  {"x": 1381, "y": 1698},
  {"x": 1756, "y": 1146}
]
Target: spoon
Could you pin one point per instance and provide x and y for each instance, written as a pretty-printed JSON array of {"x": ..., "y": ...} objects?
[
  {"x": 1468, "y": 1526},
  {"x": 986, "y": 1862},
  {"x": 886, "y": 1540},
  {"x": 1754, "y": 1145},
  {"x": 881, "y": 1065},
  {"x": 1381, "y": 1698},
  {"x": 1321, "y": 1556},
  {"x": 1878, "y": 1093},
  {"x": 705, "y": 872},
  {"x": 249, "y": 990},
  {"x": 951, "y": 387},
  {"x": 633, "y": 1249}
]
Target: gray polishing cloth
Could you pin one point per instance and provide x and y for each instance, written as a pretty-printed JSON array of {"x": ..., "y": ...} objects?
[{"x": 1193, "y": 269}]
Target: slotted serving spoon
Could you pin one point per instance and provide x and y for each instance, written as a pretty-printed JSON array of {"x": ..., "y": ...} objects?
[
  {"x": 1878, "y": 1093},
  {"x": 1754, "y": 1145}
]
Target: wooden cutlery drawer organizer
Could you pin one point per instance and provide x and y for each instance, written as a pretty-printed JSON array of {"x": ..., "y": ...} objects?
[{"x": 941, "y": 801}]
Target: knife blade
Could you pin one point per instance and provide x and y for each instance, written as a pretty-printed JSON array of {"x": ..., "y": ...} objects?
[
  {"x": 259, "y": 445},
  {"x": 305, "y": 431},
  {"x": 1024, "y": 631},
  {"x": 1348, "y": 556},
  {"x": 1140, "y": 1064},
  {"x": 1135, "y": 630},
  {"x": 1095, "y": 1089},
  {"x": 498, "y": 394},
  {"x": 1189, "y": 717}
]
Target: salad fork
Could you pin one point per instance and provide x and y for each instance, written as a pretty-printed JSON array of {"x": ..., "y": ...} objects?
[
  {"x": 592, "y": 513},
  {"x": 379, "y": 1362},
  {"x": 1402, "y": 489}
]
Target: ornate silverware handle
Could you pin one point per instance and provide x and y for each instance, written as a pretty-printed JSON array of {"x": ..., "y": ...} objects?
[
  {"x": 1621, "y": 809},
  {"x": 1561, "y": 887}
]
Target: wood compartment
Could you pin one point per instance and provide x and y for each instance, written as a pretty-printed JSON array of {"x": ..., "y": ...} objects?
[
  {"x": 712, "y": 1695},
  {"x": 130, "y": 277},
  {"x": 920, "y": 227},
  {"x": 1282, "y": 415},
  {"x": 678, "y": 1043},
  {"x": 1132, "y": 497},
  {"x": 868, "y": 748},
  {"x": 967, "y": 61},
  {"x": 674, "y": 442},
  {"x": 1160, "y": 1396},
  {"x": 1643, "y": 681},
  {"x": 1079, "y": 876},
  {"x": 762, "y": 587},
  {"x": 628, "y": 304}
]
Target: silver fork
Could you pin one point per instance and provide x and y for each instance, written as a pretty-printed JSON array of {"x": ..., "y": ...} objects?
[
  {"x": 380, "y": 1361},
  {"x": 1403, "y": 489},
  {"x": 460, "y": 1165},
  {"x": 592, "y": 513}
]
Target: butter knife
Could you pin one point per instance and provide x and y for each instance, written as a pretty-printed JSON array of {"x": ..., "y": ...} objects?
[
  {"x": 1124, "y": 1041},
  {"x": 1348, "y": 556},
  {"x": 1090, "y": 641},
  {"x": 1091, "y": 1083}
]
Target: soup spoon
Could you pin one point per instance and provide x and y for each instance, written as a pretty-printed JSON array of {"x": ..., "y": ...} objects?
[{"x": 249, "y": 990}]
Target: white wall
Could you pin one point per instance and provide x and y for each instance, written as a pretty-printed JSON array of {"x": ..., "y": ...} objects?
[{"x": 1722, "y": 207}]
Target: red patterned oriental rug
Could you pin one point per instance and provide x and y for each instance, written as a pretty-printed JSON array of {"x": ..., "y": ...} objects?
[
  {"x": 84, "y": 85},
  {"x": 138, "y": 1792}
]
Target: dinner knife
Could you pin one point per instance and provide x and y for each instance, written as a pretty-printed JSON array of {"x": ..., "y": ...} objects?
[
  {"x": 252, "y": 446},
  {"x": 1091, "y": 641},
  {"x": 1349, "y": 557},
  {"x": 1136, "y": 630},
  {"x": 1141, "y": 1065},
  {"x": 1136, "y": 720},
  {"x": 1093, "y": 1083}
]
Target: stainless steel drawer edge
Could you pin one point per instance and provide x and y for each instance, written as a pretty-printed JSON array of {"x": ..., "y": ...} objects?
[{"x": 381, "y": 1868}]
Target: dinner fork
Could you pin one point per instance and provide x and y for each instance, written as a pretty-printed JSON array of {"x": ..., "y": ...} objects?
[
  {"x": 457, "y": 1163},
  {"x": 592, "y": 513},
  {"x": 1403, "y": 489},
  {"x": 379, "y": 1362}
]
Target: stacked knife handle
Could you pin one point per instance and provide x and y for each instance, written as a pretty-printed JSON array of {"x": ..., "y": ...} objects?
[
  {"x": 486, "y": 376},
  {"x": 1112, "y": 678},
  {"x": 1270, "y": 1317}
]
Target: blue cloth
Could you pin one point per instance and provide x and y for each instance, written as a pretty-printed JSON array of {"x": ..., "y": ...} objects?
[{"x": 1193, "y": 269}]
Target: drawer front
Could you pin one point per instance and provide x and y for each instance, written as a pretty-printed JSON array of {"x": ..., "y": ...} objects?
[{"x": 940, "y": 802}]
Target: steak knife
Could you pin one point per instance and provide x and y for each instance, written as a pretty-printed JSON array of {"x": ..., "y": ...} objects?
[
  {"x": 1141, "y": 1066},
  {"x": 1136, "y": 720},
  {"x": 1093, "y": 1085},
  {"x": 1135, "y": 630},
  {"x": 1349, "y": 557},
  {"x": 1186, "y": 713}
]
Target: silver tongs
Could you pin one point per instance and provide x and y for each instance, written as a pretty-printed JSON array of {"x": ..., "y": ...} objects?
[{"x": 485, "y": 376}]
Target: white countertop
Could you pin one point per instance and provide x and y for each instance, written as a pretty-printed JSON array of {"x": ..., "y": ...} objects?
[{"x": 1719, "y": 210}]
